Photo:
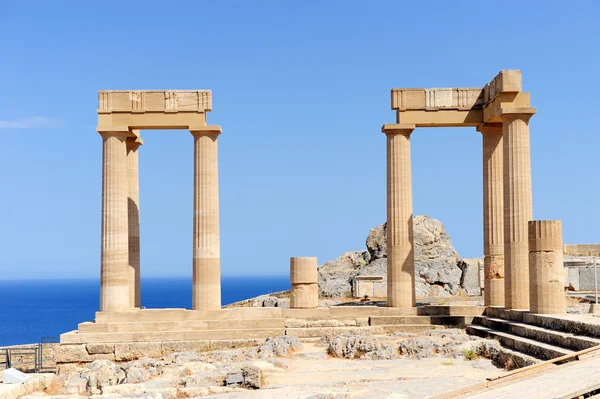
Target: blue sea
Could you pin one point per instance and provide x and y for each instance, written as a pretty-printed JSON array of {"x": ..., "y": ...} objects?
[{"x": 31, "y": 309}]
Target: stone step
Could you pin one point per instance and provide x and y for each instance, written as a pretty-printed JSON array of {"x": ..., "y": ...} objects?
[
  {"x": 316, "y": 332},
  {"x": 580, "y": 324},
  {"x": 562, "y": 339},
  {"x": 163, "y": 336},
  {"x": 528, "y": 346},
  {"x": 407, "y": 328},
  {"x": 333, "y": 312},
  {"x": 428, "y": 320},
  {"x": 191, "y": 325},
  {"x": 450, "y": 310},
  {"x": 510, "y": 359}
]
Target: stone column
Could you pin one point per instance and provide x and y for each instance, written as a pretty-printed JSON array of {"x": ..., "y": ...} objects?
[
  {"x": 304, "y": 279},
  {"x": 546, "y": 270},
  {"x": 517, "y": 205},
  {"x": 114, "y": 273},
  {"x": 206, "y": 288},
  {"x": 400, "y": 249},
  {"x": 493, "y": 214},
  {"x": 133, "y": 217}
]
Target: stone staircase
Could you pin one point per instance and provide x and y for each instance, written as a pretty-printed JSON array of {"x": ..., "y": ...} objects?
[
  {"x": 537, "y": 337},
  {"x": 257, "y": 323}
]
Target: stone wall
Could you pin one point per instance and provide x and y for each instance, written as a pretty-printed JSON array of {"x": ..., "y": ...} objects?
[{"x": 582, "y": 249}]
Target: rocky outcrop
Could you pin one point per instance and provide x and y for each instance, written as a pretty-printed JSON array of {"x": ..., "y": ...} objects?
[{"x": 438, "y": 269}]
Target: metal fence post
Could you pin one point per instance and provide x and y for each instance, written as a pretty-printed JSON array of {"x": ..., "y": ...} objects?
[{"x": 596, "y": 280}]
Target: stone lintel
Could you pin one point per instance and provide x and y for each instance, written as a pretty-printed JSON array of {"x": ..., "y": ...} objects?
[
  {"x": 446, "y": 118},
  {"x": 152, "y": 120},
  {"x": 154, "y": 101},
  {"x": 397, "y": 128}
]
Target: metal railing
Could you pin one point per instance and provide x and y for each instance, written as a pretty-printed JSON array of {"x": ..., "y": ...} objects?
[{"x": 21, "y": 355}]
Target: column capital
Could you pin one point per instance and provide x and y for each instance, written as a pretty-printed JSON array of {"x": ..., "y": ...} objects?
[
  {"x": 397, "y": 128},
  {"x": 489, "y": 128},
  {"x": 516, "y": 113},
  {"x": 212, "y": 131},
  {"x": 117, "y": 131}
]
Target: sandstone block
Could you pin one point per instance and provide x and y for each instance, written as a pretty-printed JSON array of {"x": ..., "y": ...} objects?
[
  {"x": 303, "y": 270},
  {"x": 184, "y": 346},
  {"x": 136, "y": 350},
  {"x": 304, "y": 296},
  {"x": 77, "y": 354},
  {"x": 546, "y": 270},
  {"x": 94, "y": 349}
]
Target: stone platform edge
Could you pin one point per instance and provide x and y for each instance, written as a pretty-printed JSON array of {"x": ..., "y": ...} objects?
[{"x": 333, "y": 312}]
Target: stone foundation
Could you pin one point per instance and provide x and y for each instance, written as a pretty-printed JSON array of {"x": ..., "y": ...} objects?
[{"x": 124, "y": 336}]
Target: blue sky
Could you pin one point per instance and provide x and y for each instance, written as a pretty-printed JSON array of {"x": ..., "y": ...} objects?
[{"x": 301, "y": 89}]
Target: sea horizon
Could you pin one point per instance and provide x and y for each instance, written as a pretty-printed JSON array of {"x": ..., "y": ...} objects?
[
  {"x": 36, "y": 308},
  {"x": 143, "y": 277}
]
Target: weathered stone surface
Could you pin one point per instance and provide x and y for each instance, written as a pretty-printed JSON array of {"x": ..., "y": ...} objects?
[
  {"x": 136, "y": 350},
  {"x": 303, "y": 323},
  {"x": 101, "y": 373},
  {"x": 169, "y": 347},
  {"x": 94, "y": 349},
  {"x": 77, "y": 354},
  {"x": 279, "y": 346},
  {"x": 470, "y": 279},
  {"x": 418, "y": 347},
  {"x": 304, "y": 296},
  {"x": 136, "y": 374},
  {"x": 377, "y": 242},
  {"x": 76, "y": 385},
  {"x": 437, "y": 268},
  {"x": 252, "y": 376},
  {"x": 335, "y": 276},
  {"x": 364, "y": 347},
  {"x": 269, "y": 301}
]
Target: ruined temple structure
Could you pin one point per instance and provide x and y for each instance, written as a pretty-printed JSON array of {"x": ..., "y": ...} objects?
[{"x": 500, "y": 111}]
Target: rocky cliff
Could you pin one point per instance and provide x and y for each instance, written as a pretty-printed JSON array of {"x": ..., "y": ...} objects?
[{"x": 439, "y": 271}]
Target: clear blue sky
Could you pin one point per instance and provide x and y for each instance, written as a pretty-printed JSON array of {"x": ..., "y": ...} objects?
[{"x": 301, "y": 89}]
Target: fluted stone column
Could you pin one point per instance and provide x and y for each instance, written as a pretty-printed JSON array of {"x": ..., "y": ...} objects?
[
  {"x": 493, "y": 214},
  {"x": 546, "y": 270},
  {"x": 133, "y": 217},
  {"x": 517, "y": 205},
  {"x": 114, "y": 274},
  {"x": 303, "y": 276},
  {"x": 206, "y": 288},
  {"x": 400, "y": 249}
]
